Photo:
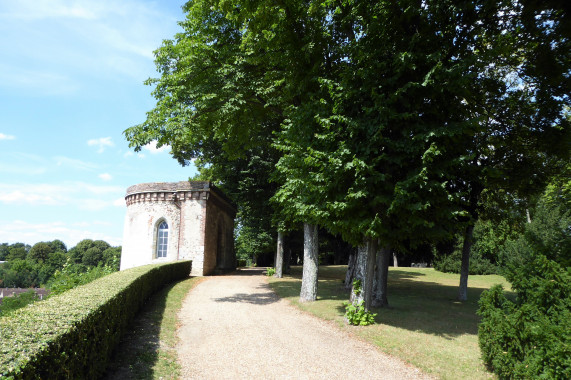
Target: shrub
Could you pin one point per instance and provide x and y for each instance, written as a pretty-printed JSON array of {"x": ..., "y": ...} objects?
[
  {"x": 355, "y": 312},
  {"x": 70, "y": 277},
  {"x": 73, "y": 334},
  {"x": 357, "y": 315},
  {"x": 10, "y": 304},
  {"x": 531, "y": 337},
  {"x": 489, "y": 241},
  {"x": 452, "y": 263}
]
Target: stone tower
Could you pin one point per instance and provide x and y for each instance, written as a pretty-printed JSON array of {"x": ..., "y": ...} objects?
[{"x": 169, "y": 221}]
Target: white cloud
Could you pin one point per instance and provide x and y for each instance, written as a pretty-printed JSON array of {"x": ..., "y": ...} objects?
[
  {"x": 79, "y": 194},
  {"x": 6, "y": 137},
  {"x": 70, "y": 234},
  {"x": 101, "y": 143},
  {"x": 106, "y": 176},
  {"x": 25, "y": 197},
  {"x": 119, "y": 202},
  {"x": 128, "y": 154},
  {"x": 46, "y": 9},
  {"x": 74, "y": 163},
  {"x": 152, "y": 148},
  {"x": 22, "y": 164}
]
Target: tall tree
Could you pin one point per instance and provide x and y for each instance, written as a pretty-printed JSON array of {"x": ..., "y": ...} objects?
[
  {"x": 226, "y": 86},
  {"x": 219, "y": 100},
  {"x": 40, "y": 252}
]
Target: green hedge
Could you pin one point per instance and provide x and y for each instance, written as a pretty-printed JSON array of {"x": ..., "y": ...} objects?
[
  {"x": 530, "y": 337},
  {"x": 72, "y": 335}
]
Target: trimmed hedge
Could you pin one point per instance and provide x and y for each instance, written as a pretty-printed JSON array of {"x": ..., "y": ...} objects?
[{"x": 72, "y": 335}]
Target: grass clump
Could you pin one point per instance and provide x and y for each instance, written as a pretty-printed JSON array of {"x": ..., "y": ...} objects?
[{"x": 424, "y": 324}]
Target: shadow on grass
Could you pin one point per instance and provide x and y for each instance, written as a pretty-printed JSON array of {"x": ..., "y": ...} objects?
[
  {"x": 138, "y": 351},
  {"x": 414, "y": 304}
]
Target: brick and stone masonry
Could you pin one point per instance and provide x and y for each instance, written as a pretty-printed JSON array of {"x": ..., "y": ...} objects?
[{"x": 200, "y": 221}]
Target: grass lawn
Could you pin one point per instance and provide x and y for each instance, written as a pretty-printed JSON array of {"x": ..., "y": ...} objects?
[
  {"x": 424, "y": 324},
  {"x": 148, "y": 349}
]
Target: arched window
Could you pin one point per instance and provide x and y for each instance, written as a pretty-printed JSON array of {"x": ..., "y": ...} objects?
[{"x": 162, "y": 239}]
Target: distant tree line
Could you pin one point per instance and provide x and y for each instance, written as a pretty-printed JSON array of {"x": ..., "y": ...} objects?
[{"x": 43, "y": 263}]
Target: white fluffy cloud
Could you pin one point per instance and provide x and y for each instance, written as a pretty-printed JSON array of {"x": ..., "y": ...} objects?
[
  {"x": 101, "y": 143},
  {"x": 80, "y": 194},
  {"x": 152, "y": 148},
  {"x": 6, "y": 137},
  {"x": 70, "y": 234},
  {"x": 106, "y": 176},
  {"x": 26, "y": 197}
]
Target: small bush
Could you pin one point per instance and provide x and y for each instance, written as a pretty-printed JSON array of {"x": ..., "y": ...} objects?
[
  {"x": 270, "y": 272},
  {"x": 357, "y": 315},
  {"x": 355, "y": 312}
]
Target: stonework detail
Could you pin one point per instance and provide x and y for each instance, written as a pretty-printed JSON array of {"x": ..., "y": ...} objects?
[{"x": 200, "y": 221}]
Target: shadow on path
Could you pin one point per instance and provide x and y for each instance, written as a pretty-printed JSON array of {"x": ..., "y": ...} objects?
[{"x": 259, "y": 298}]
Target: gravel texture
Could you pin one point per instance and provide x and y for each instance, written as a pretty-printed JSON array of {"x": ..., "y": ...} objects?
[{"x": 235, "y": 327}]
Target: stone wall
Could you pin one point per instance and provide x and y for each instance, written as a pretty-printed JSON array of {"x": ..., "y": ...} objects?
[
  {"x": 200, "y": 220},
  {"x": 140, "y": 230}
]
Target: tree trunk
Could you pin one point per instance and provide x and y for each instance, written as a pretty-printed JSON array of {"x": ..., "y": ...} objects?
[
  {"x": 310, "y": 264},
  {"x": 350, "y": 270},
  {"x": 287, "y": 259},
  {"x": 465, "y": 268},
  {"x": 395, "y": 260},
  {"x": 279, "y": 262},
  {"x": 365, "y": 272},
  {"x": 380, "y": 298}
]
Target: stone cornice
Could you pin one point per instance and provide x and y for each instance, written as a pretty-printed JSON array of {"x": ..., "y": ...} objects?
[{"x": 178, "y": 191}]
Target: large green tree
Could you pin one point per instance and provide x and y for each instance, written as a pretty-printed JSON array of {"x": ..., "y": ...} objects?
[
  {"x": 429, "y": 104},
  {"x": 219, "y": 101}
]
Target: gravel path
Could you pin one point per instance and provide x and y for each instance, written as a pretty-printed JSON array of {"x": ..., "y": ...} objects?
[{"x": 235, "y": 327}]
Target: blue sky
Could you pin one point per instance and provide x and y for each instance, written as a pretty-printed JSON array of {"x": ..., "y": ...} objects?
[{"x": 71, "y": 81}]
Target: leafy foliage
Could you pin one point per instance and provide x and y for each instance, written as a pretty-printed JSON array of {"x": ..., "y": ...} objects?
[
  {"x": 10, "y": 304},
  {"x": 452, "y": 263},
  {"x": 270, "y": 272},
  {"x": 531, "y": 337},
  {"x": 73, "y": 335},
  {"x": 14, "y": 251},
  {"x": 355, "y": 313},
  {"x": 68, "y": 277},
  {"x": 488, "y": 250},
  {"x": 37, "y": 267}
]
